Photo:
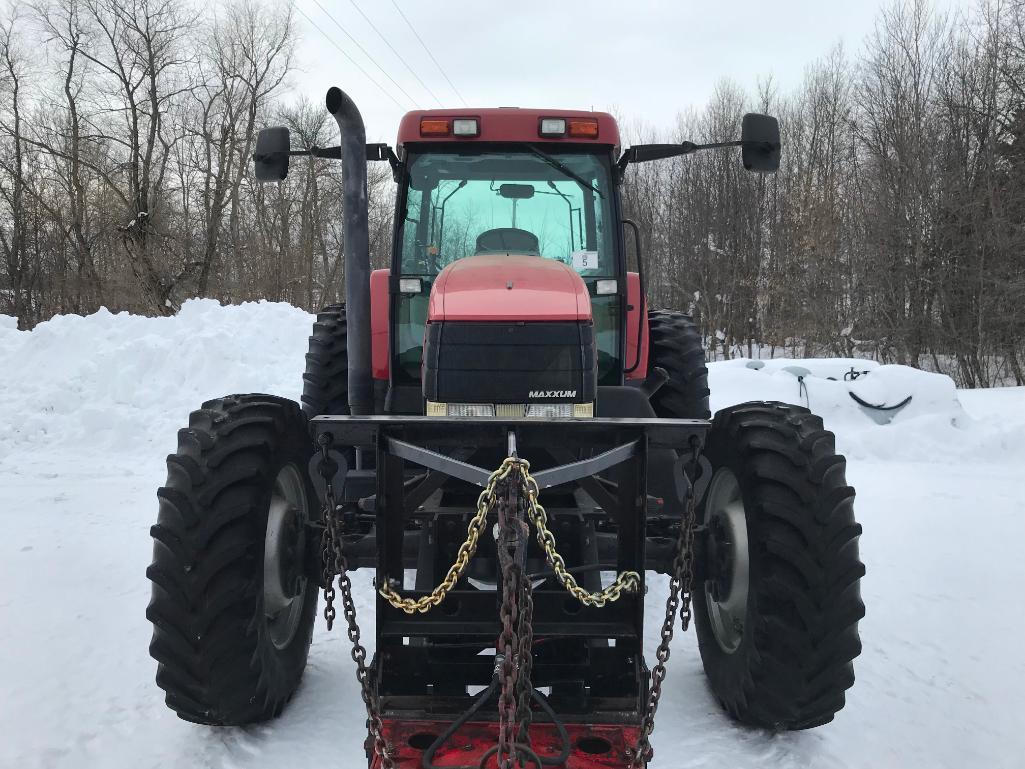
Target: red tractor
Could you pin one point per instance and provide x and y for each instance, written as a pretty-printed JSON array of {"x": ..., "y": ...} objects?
[{"x": 501, "y": 428}]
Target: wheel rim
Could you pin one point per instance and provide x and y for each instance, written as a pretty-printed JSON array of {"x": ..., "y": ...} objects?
[
  {"x": 284, "y": 585},
  {"x": 726, "y": 589}
]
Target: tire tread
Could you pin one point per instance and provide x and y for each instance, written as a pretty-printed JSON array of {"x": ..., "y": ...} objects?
[
  {"x": 674, "y": 344},
  {"x": 796, "y": 671},
  {"x": 213, "y": 661},
  {"x": 325, "y": 381}
]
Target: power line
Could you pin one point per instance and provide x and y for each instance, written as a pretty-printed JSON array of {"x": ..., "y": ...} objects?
[
  {"x": 365, "y": 52},
  {"x": 355, "y": 63},
  {"x": 442, "y": 71},
  {"x": 397, "y": 54}
]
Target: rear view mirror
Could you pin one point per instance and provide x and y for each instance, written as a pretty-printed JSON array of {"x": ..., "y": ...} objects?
[
  {"x": 516, "y": 191},
  {"x": 761, "y": 148},
  {"x": 270, "y": 160}
]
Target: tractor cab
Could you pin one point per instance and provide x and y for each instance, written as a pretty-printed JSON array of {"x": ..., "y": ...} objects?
[
  {"x": 508, "y": 291},
  {"x": 508, "y": 253}
]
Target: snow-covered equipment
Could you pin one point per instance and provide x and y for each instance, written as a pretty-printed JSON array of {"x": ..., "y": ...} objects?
[{"x": 501, "y": 428}]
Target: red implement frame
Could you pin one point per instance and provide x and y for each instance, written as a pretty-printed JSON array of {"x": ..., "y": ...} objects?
[{"x": 596, "y": 746}]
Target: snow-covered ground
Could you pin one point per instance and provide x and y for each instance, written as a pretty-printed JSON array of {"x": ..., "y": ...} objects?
[{"x": 90, "y": 406}]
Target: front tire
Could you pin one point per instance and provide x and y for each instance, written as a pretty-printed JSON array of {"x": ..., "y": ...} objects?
[
  {"x": 231, "y": 608},
  {"x": 777, "y": 599}
]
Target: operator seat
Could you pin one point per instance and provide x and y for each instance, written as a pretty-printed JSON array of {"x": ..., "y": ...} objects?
[{"x": 508, "y": 240}]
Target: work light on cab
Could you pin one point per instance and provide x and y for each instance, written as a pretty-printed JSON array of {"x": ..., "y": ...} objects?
[
  {"x": 410, "y": 286},
  {"x": 465, "y": 127},
  {"x": 577, "y": 128},
  {"x": 552, "y": 127}
]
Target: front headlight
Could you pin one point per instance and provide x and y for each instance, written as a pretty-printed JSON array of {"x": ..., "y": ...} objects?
[
  {"x": 461, "y": 409},
  {"x": 471, "y": 410},
  {"x": 506, "y": 410},
  {"x": 549, "y": 410}
]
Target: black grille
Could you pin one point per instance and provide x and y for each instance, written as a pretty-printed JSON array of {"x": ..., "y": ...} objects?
[{"x": 506, "y": 362}]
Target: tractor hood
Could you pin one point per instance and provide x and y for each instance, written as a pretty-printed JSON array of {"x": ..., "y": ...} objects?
[{"x": 502, "y": 287}]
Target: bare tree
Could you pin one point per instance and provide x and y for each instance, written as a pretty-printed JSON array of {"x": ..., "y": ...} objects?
[
  {"x": 140, "y": 46},
  {"x": 14, "y": 239},
  {"x": 250, "y": 54}
]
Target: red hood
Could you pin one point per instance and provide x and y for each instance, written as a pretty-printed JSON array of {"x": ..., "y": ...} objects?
[{"x": 501, "y": 287}]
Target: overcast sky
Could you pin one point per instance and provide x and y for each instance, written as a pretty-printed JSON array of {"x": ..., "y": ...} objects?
[{"x": 647, "y": 59}]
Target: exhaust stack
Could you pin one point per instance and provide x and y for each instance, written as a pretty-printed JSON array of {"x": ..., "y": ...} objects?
[{"x": 356, "y": 248}]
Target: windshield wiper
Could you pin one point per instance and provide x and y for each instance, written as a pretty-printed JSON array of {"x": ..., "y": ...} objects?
[{"x": 565, "y": 169}]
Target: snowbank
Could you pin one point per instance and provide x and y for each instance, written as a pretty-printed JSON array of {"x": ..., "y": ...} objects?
[
  {"x": 931, "y": 422},
  {"x": 820, "y": 385},
  {"x": 125, "y": 383}
]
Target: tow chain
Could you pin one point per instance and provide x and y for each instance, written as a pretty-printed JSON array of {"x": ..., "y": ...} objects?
[
  {"x": 516, "y": 640},
  {"x": 335, "y": 564},
  {"x": 681, "y": 582},
  {"x": 515, "y": 643},
  {"x": 626, "y": 582},
  {"x": 485, "y": 502}
]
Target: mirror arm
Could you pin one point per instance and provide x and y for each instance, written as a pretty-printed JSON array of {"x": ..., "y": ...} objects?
[
  {"x": 648, "y": 152},
  {"x": 642, "y": 153},
  {"x": 375, "y": 152}
]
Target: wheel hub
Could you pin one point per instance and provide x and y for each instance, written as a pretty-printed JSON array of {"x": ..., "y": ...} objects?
[
  {"x": 720, "y": 557},
  {"x": 728, "y": 563},
  {"x": 284, "y": 584}
]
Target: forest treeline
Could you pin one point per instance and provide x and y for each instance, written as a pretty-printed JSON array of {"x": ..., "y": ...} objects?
[{"x": 895, "y": 228}]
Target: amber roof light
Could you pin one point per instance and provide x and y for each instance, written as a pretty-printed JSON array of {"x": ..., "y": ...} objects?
[{"x": 434, "y": 127}]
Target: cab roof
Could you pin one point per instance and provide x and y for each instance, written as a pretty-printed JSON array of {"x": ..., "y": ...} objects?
[{"x": 508, "y": 124}]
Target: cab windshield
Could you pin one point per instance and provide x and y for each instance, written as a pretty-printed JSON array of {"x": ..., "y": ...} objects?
[
  {"x": 547, "y": 202},
  {"x": 550, "y": 204}
]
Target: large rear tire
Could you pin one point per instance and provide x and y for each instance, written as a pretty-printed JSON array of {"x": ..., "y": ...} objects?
[
  {"x": 674, "y": 344},
  {"x": 326, "y": 380},
  {"x": 232, "y": 611},
  {"x": 777, "y": 599}
]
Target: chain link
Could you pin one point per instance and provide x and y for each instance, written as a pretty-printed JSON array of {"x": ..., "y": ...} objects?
[
  {"x": 625, "y": 582},
  {"x": 467, "y": 550},
  {"x": 367, "y": 689},
  {"x": 680, "y": 585},
  {"x": 525, "y": 658},
  {"x": 508, "y": 642},
  {"x": 516, "y": 640},
  {"x": 335, "y": 564},
  {"x": 507, "y": 647},
  {"x": 331, "y": 539}
]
